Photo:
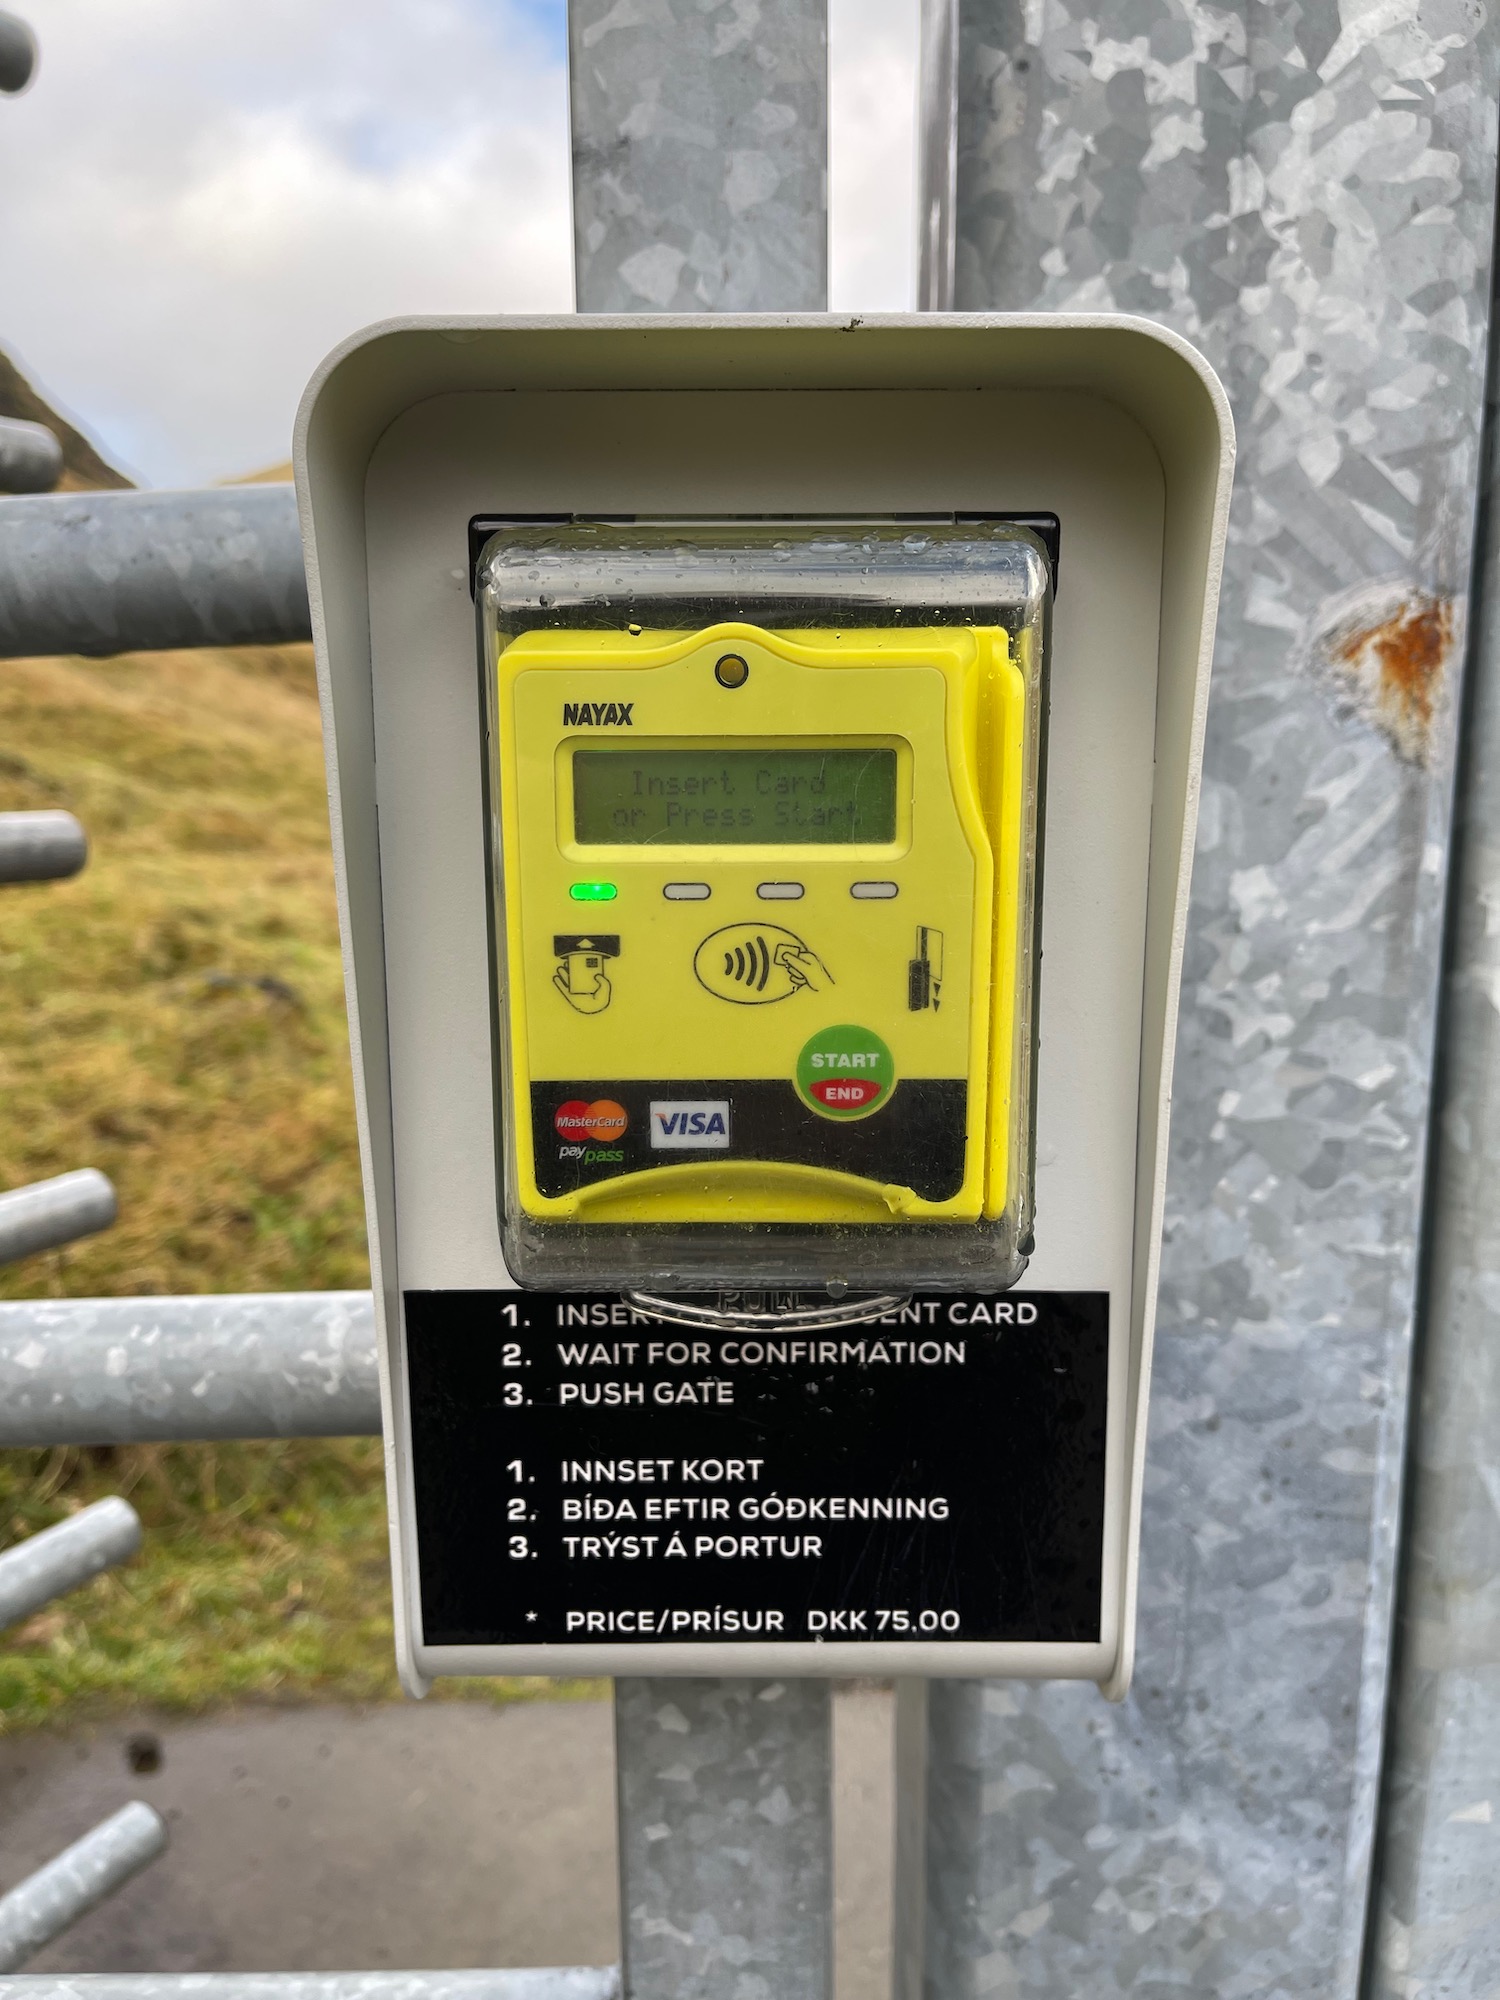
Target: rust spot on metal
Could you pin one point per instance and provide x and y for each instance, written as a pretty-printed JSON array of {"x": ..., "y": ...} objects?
[{"x": 1391, "y": 650}]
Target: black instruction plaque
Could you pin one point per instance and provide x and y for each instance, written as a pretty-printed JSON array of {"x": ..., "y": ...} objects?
[{"x": 584, "y": 1475}]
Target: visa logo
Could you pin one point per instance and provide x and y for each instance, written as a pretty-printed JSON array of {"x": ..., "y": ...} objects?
[{"x": 701, "y": 1126}]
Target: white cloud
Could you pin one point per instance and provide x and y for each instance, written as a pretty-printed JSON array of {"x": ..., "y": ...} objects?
[{"x": 198, "y": 200}]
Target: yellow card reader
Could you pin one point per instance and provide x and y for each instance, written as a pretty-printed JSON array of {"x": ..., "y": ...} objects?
[{"x": 766, "y": 907}]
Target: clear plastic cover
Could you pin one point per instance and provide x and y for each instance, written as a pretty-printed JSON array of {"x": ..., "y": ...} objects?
[{"x": 764, "y": 821}]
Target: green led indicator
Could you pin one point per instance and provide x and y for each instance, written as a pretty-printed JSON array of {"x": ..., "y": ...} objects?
[{"x": 593, "y": 892}]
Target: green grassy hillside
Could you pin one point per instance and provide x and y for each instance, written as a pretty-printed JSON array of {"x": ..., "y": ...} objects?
[{"x": 174, "y": 1015}]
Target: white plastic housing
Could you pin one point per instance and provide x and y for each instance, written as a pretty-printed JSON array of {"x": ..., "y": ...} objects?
[{"x": 1116, "y": 425}]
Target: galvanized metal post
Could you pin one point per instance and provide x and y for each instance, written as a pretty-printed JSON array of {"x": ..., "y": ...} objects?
[
  {"x": 700, "y": 148},
  {"x": 700, "y": 155},
  {"x": 726, "y": 1849},
  {"x": 1436, "y": 1923},
  {"x": 937, "y": 143},
  {"x": 1307, "y": 193}
]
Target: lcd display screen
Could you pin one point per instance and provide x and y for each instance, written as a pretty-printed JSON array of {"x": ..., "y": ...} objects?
[{"x": 779, "y": 795}]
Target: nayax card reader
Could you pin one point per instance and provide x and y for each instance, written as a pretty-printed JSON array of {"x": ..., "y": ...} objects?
[{"x": 766, "y": 894}]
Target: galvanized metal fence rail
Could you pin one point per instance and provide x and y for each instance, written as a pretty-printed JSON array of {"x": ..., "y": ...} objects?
[
  {"x": 101, "y": 573},
  {"x": 41, "y": 846},
  {"x": 32, "y": 1573},
  {"x": 232, "y": 1365},
  {"x": 530, "y": 1982},
  {"x": 256, "y": 1366},
  {"x": 96, "y": 574},
  {"x": 78, "y": 1880},
  {"x": 31, "y": 459},
  {"x": 47, "y": 846},
  {"x": 49, "y": 1213}
]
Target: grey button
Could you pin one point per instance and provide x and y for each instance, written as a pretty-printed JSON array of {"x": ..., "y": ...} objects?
[
  {"x": 687, "y": 892},
  {"x": 781, "y": 892},
  {"x": 873, "y": 892}
]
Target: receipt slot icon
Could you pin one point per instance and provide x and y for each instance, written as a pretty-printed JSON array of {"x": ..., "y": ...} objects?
[{"x": 924, "y": 981}]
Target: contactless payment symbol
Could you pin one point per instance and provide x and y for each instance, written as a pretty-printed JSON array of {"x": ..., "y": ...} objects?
[
  {"x": 845, "y": 1072},
  {"x": 754, "y": 964}
]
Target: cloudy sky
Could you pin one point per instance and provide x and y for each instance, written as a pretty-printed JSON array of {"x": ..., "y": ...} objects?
[{"x": 197, "y": 200}]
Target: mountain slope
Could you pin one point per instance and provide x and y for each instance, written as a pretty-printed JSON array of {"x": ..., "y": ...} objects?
[{"x": 83, "y": 468}]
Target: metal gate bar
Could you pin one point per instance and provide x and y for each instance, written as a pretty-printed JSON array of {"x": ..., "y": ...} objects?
[
  {"x": 76, "y": 1881},
  {"x": 103, "y": 573},
  {"x": 227, "y": 1365},
  {"x": 48, "y": 1213},
  {"x": 59, "y": 1558},
  {"x": 1308, "y": 194},
  {"x": 527, "y": 1982},
  {"x": 41, "y": 846}
]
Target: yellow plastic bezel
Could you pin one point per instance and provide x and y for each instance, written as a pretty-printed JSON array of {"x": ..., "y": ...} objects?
[{"x": 974, "y": 736}]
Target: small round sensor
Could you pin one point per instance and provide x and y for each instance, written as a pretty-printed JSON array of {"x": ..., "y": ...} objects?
[{"x": 732, "y": 671}]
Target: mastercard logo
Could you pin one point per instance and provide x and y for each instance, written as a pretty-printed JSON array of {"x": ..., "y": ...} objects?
[{"x": 603, "y": 1120}]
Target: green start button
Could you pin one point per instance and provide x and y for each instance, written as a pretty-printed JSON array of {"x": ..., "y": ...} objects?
[{"x": 845, "y": 1072}]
